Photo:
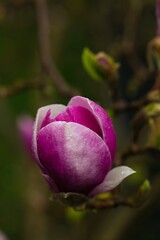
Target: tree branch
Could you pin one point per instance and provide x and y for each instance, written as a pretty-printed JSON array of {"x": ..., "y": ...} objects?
[
  {"x": 18, "y": 87},
  {"x": 110, "y": 203},
  {"x": 153, "y": 96},
  {"x": 135, "y": 150},
  {"x": 45, "y": 50}
]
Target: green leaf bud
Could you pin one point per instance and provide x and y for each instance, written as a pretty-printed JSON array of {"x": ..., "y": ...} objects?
[{"x": 100, "y": 66}]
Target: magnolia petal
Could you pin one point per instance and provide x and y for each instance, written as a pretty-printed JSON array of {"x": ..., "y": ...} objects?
[
  {"x": 79, "y": 115},
  {"x": 103, "y": 119},
  {"x": 74, "y": 156},
  {"x": 41, "y": 114},
  {"x": 113, "y": 179}
]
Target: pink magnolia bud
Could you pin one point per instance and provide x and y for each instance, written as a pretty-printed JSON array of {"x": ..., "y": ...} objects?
[
  {"x": 107, "y": 65},
  {"x": 25, "y": 126},
  {"x": 100, "y": 66},
  {"x": 3, "y": 236},
  {"x": 75, "y": 145}
]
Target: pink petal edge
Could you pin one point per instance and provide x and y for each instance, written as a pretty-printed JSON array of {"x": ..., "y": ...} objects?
[
  {"x": 55, "y": 110},
  {"x": 113, "y": 179},
  {"x": 103, "y": 119}
]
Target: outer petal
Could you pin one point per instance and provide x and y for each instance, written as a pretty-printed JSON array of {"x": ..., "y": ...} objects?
[
  {"x": 73, "y": 155},
  {"x": 103, "y": 119},
  {"x": 113, "y": 179},
  {"x": 41, "y": 114}
]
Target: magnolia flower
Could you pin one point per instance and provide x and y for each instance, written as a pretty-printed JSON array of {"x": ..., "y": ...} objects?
[
  {"x": 25, "y": 126},
  {"x": 75, "y": 145}
]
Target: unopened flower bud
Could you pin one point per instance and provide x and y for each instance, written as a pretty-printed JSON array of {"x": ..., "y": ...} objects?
[
  {"x": 153, "y": 54},
  {"x": 100, "y": 66},
  {"x": 74, "y": 146},
  {"x": 25, "y": 126}
]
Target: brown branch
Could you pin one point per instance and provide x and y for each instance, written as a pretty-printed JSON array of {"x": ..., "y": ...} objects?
[
  {"x": 18, "y": 87},
  {"x": 121, "y": 106},
  {"x": 153, "y": 96},
  {"x": 45, "y": 50},
  {"x": 129, "y": 37},
  {"x": 135, "y": 150},
  {"x": 110, "y": 203},
  {"x": 131, "y": 21}
]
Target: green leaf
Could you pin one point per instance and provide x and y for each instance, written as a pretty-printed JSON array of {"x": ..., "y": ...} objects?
[{"x": 90, "y": 65}]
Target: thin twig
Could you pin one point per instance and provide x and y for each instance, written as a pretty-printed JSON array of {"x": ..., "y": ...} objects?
[
  {"x": 129, "y": 38},
  {"x": 152, "y": 97},
  {"x": 18, "y": 87},
  {"x": 135, "y": 150},
  {"x": 45, "y": 50},
  {"x": 121, "y": 106}
]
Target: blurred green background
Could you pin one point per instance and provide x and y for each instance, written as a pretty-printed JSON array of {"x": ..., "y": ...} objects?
[{"x": 26, "y": 211}]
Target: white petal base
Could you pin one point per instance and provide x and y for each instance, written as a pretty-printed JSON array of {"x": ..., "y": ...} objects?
[{"x": 113, "y": 179}]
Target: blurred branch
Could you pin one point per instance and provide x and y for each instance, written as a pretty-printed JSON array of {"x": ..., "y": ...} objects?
[
  {"x": 19, "y": 87},
  {"x": 131, "y": 22},
  {"x": 129, "y": 37},
  {"x": 121, "y": 106},
  {"x": 48, "y": 65},
  {"x": 135, "y": 150},
  {"x": 110, "y": 203},
  {"x": 129, "y": 43},
  {"x": 153, "y": 96}
]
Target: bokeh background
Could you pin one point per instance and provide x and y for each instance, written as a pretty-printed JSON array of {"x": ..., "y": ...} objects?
[{"x": 122, "y": 28}]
